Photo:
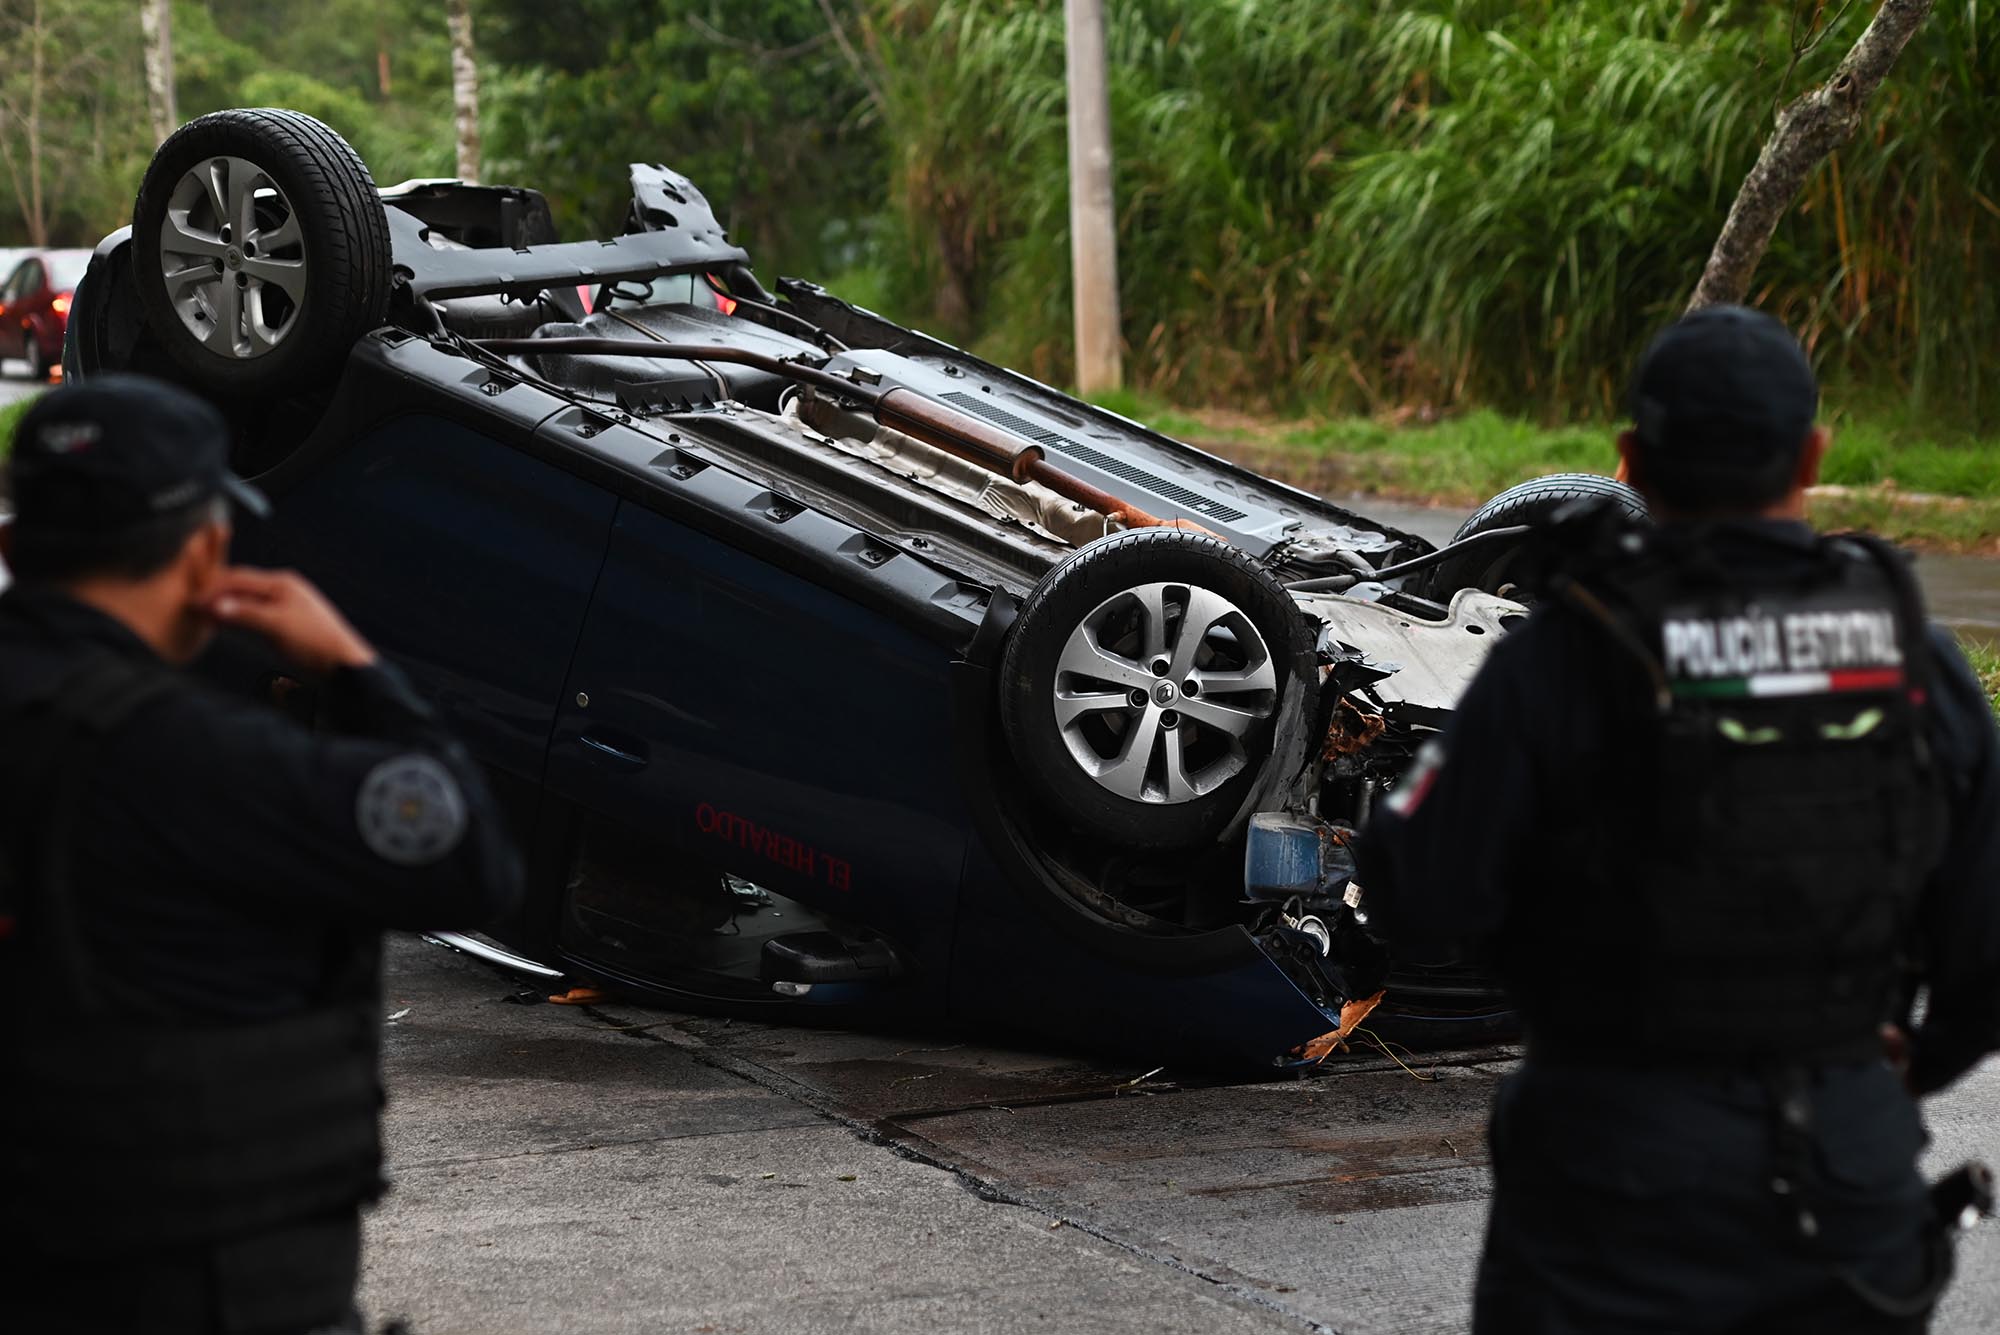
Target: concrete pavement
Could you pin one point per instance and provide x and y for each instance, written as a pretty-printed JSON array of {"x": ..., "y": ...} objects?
[
  {"x": 555, "y": 1174},
  {"x": 614, "y": 1169}
]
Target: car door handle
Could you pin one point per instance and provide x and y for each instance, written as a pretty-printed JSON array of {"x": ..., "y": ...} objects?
[{"x": 624, "y": 756}]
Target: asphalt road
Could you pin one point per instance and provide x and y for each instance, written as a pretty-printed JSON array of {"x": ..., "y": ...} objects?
[
  {"x": 612, "y": 1169},
  {"x": 14, "y": 384}
]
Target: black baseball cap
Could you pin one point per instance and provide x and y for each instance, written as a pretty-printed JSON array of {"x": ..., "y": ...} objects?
[
  {"x": 114, "y": 452},
  {"x": 1721, "y": 403}
]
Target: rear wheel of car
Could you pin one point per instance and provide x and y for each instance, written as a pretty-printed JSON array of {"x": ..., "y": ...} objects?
[
  {"x": 38, "y": 365},
  {"x": 1141, "y": 686},
  {"x": 260, "y": 249},
  {"x": 1496, "y": 566}
]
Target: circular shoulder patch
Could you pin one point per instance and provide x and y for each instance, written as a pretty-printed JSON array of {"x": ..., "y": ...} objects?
[{"x": 410, "y": 811}]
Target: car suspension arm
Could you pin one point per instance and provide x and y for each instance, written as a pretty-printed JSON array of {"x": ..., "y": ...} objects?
[{"x": 901, "y": 408}]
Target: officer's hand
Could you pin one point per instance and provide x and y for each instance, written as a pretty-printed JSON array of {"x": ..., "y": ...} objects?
[{"x": 284, "y": 607}]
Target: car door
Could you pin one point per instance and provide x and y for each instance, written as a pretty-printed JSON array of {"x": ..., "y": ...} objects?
[
  {"x": 466, "y": 560},
  {"x": 745, "y": 717}
]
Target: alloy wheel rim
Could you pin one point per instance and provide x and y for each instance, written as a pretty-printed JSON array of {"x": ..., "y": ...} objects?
[
  {"x": 1157, "y": 690},
  {"x": 233, "y": 258}
]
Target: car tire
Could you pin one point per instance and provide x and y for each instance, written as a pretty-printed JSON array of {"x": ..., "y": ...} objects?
[
  {"x": 1494, "y": 566},
  {"x": 311, "y": 273},
  {"x": 1092, "y": 639},
  {"x": 31, "y": 353}
]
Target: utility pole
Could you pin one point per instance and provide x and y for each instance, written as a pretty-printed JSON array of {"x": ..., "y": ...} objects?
[
  {"x": 156, "y": 22},
  {"x": 1093, "y": 223}
]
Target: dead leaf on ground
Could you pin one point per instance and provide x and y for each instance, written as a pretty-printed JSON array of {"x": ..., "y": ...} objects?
[{"x": 1351, "y": 1015}]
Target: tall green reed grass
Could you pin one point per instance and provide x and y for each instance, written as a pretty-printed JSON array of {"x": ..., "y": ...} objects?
[{"x": 1443, "y": 202}]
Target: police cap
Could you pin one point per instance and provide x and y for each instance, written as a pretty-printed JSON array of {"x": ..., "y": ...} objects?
[
  {"x": 116, "y": 451},
  {"x": 1721, "y": 403}
]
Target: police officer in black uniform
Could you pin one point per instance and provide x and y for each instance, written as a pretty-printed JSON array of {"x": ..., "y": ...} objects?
[
  {"x": 1719, "y": 804},
  {"x": 192, "y": 892}
]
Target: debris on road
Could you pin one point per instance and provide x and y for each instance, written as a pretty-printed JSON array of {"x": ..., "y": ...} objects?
[{"x": 1351, "y": 1015}]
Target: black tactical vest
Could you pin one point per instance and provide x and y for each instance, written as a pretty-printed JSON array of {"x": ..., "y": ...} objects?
[
  {"x": 1782, "y": 813},
  {"x": 121, "y": 1129}
]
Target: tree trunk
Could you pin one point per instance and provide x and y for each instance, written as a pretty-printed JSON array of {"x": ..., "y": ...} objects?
[
  {"x": 464, "y": 87},
  {"x": 1813, "y": 126},
  {"x": 38, "y": 221},
  {"x": 156, "y": 20},
  {"x": 1093, "y": 223}
]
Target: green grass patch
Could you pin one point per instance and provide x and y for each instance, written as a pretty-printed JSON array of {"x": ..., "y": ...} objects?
[
  {"x": 1465, "y": 459},
  {"x": 10, "y": 417},
  {"x": 1954, "y": 525},
  {"x": 1886, "y": 444},
  {"x": 1985, "y": 660},
  {"x": 1917, "y": 482},
  {"x": 1162, "y": 416}
]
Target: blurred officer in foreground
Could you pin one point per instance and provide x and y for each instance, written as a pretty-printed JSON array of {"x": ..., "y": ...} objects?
[
  {"x": 1722, "y": 801},
  {"x": 192, "y": 891}
]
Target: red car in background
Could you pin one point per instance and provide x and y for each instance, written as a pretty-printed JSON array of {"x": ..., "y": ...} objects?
[{"x": 34, "y": 307}]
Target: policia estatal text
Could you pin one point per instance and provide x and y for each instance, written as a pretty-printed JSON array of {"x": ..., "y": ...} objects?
[
  {"x": 1721, "y": 804},
  {"x": 192, "y": 891}
]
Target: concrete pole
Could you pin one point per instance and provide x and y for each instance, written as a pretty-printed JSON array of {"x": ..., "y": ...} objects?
[
  {"x": 464, "y": 87},
  {"x": 1093, "y": 223}
]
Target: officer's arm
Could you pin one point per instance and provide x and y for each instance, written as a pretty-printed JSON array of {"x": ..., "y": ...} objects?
[
  {"x": 1439, "y": 853},
  {"x": 1961, "y": 916},
  {"x": 390, "y": 824}
]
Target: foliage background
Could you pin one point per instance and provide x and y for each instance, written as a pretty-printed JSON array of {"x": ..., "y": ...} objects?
[{"x": 1398, "y": 208}]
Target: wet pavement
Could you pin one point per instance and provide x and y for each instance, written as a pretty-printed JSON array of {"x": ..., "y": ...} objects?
[
  {"x": 612, "y": 1168},
  {"x": 1964, "y": 593}
]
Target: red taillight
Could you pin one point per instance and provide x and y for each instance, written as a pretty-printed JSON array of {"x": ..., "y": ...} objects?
[
  {"x": 61, "y": 304},
  {"x": 727, "y": 305}
]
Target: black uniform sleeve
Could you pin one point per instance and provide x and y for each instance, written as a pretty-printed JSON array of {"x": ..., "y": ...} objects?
[
  {"x": 1439, "y": 853},
  {"x": 387, "y": 825},
  {"x": 1960, "y": 925}
]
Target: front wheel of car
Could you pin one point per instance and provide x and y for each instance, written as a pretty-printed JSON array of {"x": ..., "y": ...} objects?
[
  {"x": 260, "y": 249},
  {"x": 1142, "y": 684}
]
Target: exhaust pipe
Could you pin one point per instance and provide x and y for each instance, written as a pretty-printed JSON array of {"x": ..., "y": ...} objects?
[{"x": 916, "y": 415}]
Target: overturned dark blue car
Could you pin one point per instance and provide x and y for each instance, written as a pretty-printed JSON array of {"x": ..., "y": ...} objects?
[{"x": 826, "y": 670}]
